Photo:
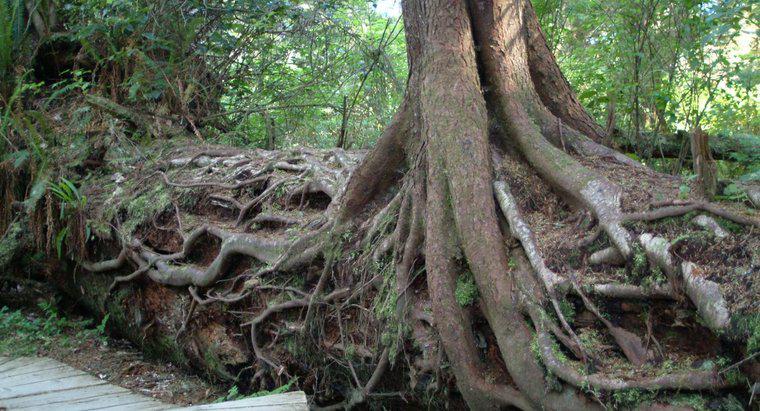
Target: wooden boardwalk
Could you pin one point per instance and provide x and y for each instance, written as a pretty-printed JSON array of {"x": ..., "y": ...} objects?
[{"x": 33, "y": 383}]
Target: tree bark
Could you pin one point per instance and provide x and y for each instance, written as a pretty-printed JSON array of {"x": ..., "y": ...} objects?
[
  {"x": 704, "y": 164},
  {"x": 269, "y": 124}
]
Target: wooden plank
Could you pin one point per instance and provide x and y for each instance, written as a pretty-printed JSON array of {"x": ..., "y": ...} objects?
[
  {"x": 59, "y": 397},
  {"x": 121, "y": 400},
  {"x": 17, "y": 363},
  {"x": 41, "y": 377},
  {"x": 52, "y": 385},
  {"x": 291, "y": 401},
  {"x": 91, "y": 403},
  {"x": 30, "y": 383},
  {"x": 145, "y": 405},
  {"x": 33, "y": 370}
]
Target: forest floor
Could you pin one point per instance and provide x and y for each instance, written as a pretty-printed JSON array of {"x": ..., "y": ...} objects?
[
  {"x": 42, "y": 328},
  {"x": 163, "y": 196}
]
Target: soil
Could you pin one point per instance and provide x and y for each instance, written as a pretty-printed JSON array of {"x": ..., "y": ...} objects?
[{"x": 81, "y": 346}]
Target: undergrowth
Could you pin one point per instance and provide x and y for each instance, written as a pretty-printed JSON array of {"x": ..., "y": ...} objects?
[
  {"x": 234, "y": 392},
  {"x": 27, "y": 333},
  {"x": 466, "y": 291}
]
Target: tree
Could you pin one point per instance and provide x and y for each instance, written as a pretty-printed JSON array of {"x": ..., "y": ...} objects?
[
  {"x": 487, "y": 127},
  {"x": 473, "y": 63}
]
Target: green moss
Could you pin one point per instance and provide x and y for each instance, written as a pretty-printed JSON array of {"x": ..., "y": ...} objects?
[
  {"x": 590, "y": 338},
  {"x": 730, "y": 225},
  {"x": 568, "y": 310},
  {"x": 165, "y": 348},
  {"x": 535, "y": 347},
  {"x": 214, "y": 365},
  {"x": 145, "y": 206},
  {"x": 9, "y": 243},
  {"x": 384, "y": 307},
  {"x": 466, "y": 292},
  {"x": 656, "y": 277},
  {"x": 632, "y": 398},
  {"x": 704, "y": 402},
  {"x": 639, "y": 268},
  {"x": 385, "y": 301},
  {"x": 749, "y": 327}
]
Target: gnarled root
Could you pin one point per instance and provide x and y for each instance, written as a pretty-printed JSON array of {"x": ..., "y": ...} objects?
[
  {"x": 678, "y": 208},
  {"x": 705, "y": 294}
]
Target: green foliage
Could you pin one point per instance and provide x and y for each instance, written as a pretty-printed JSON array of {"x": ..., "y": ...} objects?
[
  {"x": 145, "y": 206},
  {"x": 26, "y": 333},
  {"x": 9, "y": 243},
  {"x": 702, "y": 402},
  {"x": 467, "y": 291},
  {"x": 749, "y": 326},
  {"x": 12, "y": 31},
  {"x": 640, "y": 265},
  {"x": 69, "y": 196},
  {"x": 568, "y": 310},
  {"x": 632, "y": 398},
  {"x": 234, "y": 394},
  {"x": 681, "y": 63},
  {"x": 70, "y": 203},
  {"x": 696, "y": 402},
  {"x": 590, "y": 338},
  {"x": 683, "y": 191}
]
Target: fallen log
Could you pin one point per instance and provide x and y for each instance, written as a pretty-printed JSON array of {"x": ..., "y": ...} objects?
[{"x": 722, "y": 147}]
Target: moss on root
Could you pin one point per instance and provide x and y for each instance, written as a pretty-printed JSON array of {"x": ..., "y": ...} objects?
[
  {"x": 466, "y": 292},
  {"x": 144, "y": 207},
  {"x": 10, "y": 243}
]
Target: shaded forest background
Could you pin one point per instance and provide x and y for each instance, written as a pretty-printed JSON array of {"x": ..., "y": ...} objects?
[{"x": 276, "y": 74}]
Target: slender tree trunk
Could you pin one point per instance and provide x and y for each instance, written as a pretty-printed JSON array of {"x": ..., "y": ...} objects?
[
  {"x": 611, "y": 113},
  {"x": 271, "y": 130},
  {"x": 342, "y": 135}
]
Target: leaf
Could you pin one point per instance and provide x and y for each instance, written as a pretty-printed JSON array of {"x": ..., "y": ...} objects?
[
  {"x": 18, "y": 157},
  {"x": 133, "y": 90},
  {"x": 37, "y": 191},
  {"x": 59, "y": 239},
  {"x": 683, "y": 191}
]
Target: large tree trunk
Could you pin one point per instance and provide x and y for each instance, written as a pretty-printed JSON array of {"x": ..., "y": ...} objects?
[{"x": 490, "y": 178}]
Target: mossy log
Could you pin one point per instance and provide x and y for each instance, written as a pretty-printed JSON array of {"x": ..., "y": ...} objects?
[{"x": 155, "y": 319}]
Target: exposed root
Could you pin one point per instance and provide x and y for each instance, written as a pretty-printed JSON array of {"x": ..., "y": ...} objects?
[
  {"x": 705, "y": 294},
  {"x": 107, "y": 265},
  {"x": 631, "y": 292},
  {"x": 522, "y": 232},
  {"x": 609, "y": 256},
  {"x": 629, "y": 343},
  {"x": 232, "y": 244},
  {"x": 273, "y": 220},
  {"x": 246, "y": 208},
  {"x": 709, "y": 224},
  {"x": 359, "y": 395},
  {"x": 689, "y": 380},
  {"x": 554, "y": 284},
  {"x": 256, "y": 181},
  {"x": 679, "y": 208},
  {"x": 276, "y": 308}
]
